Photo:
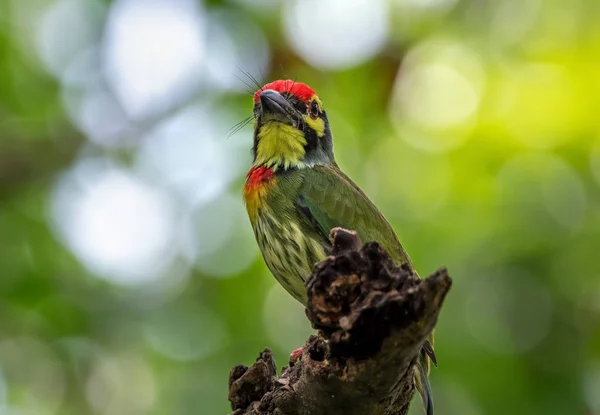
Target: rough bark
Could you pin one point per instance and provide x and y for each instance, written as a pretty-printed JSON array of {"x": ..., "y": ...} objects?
[{"x": 372, "y": 318}]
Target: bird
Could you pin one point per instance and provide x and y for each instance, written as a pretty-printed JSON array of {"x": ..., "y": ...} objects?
[{"x": 295, "y": 193}]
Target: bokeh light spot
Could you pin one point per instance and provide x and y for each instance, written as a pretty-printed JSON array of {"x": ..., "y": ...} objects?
[
  {"x": 56, "y": 43},
  {"x": 154, "y": 52},
  {"x": 512, "y": 20},
  {"x": 417, "y": 188},
  {"x": 185, "y": 332},
  {"x": 284, "y": 319},
  {"x": 437, "y": 94},
  {"x": 189, "y": 154},
  {"x": 221, "y": 238},
  {"x": 119, "y": 226},
  {"x": 356, "y": 34},
  {"x": 545, "y": 108},
  {"x": 237, "y": 54},
  {"x": 35, "y": 381},
  {"x": 110, "y": 391},
  {"x": 97, "y": 113},
  {"x": 103, "y": 384}
]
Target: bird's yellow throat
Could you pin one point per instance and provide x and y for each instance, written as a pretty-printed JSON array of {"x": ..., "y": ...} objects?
[{"x": 279, "y": 145}]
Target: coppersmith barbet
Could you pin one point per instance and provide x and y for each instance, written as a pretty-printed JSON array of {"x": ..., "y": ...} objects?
[{"x": 295, "y": 193}]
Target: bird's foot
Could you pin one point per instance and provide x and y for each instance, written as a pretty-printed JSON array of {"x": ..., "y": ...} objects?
[{"x": 295, "y": 356}]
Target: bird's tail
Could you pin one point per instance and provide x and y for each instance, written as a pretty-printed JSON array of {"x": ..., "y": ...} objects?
[
  {"x": 422, "y": 385},
  {"x": 421, "y": 374}
]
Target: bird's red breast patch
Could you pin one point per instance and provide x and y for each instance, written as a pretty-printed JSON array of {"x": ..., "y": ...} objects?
[
  {"x": 301, "y": 91},
  {"x": 258, "y": 175},
  {"x": 255, "y": 189}
]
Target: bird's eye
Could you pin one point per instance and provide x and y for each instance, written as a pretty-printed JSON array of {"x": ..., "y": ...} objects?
[{"x": 313, "y": 110}]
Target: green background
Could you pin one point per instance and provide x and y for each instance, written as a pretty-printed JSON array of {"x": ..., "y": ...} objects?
[{"x": 130, "y": 282}]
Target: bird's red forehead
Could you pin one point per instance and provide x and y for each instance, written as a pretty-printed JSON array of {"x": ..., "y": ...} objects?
[{"x": 301, "y": 91}]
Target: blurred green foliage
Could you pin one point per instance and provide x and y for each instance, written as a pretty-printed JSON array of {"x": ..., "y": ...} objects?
[{"x": 472, "y": 124}]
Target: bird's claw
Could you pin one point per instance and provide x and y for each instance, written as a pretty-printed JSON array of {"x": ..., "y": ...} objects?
[{"x": 295, "y": 356}]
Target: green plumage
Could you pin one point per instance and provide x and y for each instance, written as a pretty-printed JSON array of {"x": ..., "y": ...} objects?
[
  {"x": 295, "y": 194},
  {"x": 299, "y": 210},
  {"x": 292, "y": 229},
  {"x": 328, "y": 198}
]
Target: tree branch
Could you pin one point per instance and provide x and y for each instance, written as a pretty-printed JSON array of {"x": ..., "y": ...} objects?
[{"x": 372, "y": 318}]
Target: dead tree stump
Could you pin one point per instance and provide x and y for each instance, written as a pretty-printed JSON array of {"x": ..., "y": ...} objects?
[{"x": 372, "y": 319}]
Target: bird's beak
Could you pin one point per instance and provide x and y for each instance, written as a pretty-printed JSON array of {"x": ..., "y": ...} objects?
[{"x": 275, "y": 107}]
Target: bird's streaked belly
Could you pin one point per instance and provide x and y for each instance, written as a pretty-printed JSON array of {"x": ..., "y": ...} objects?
[{"x": 288, "y": 252}]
